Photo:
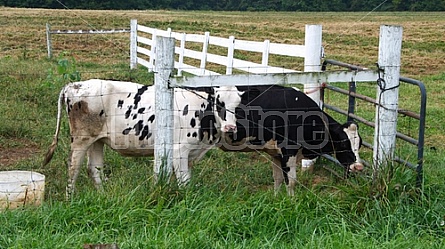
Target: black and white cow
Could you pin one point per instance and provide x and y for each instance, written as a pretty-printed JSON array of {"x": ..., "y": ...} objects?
[
  {"x": 288, "y": 125},
  {"x": 121, "y": 115}
]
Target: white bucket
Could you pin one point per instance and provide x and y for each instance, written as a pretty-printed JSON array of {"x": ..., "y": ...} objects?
[
  {"x": 19, "y": 188},
  {"x": 307, "y": 165}
]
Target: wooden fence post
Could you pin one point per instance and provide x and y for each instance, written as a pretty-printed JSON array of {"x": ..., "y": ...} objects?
[
  {"x": 265, "y": 56},
  {"x": 151, "y": 61},
  {"x": 48, "y": 40},
  {"x": 133, "y": 43},
  {"x": 165, "y": 47},
  {"x": 230, "y": 51},
  {"x": 312, "y": 58},
  {"x": 205, "y": 46},
  {"x": 390, "y": 45},
  {"x": 181, "y": 53}
]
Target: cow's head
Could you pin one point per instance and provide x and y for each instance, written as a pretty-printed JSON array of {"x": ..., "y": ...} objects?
[
  {"x": 227, "y": 99},
  {"x": 347, "y": 146}
]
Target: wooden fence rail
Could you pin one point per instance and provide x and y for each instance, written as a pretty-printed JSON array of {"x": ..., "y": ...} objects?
[{"x": 143, "y": 51}]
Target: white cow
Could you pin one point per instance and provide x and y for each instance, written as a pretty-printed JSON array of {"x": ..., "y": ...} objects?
[{"x": 121, "y": 115}]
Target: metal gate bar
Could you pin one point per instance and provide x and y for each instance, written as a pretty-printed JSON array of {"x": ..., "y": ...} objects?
[{"x": 351, "y": 92}]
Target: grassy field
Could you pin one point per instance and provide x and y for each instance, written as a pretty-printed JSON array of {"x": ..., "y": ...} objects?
[{"x": 230, "y": 202}]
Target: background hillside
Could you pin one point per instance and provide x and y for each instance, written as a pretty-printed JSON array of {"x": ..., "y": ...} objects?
[{"x": 232, "y": 5}]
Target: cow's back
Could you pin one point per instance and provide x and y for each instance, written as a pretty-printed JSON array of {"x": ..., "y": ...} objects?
[
  {"x": 275, "y": 113},
  {"x": 120, "y": 114}
]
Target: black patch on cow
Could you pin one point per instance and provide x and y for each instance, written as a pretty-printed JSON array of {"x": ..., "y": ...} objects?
[
  {"x": 199, "y": 114},
  {"x": 151, "y": 118},
  {"x": 207, "y": 120},
  {"x": 145, "y": 133},
  {"x": 284, "y": 167},
  {"x": 120, "y": 103},
  {"x": 193, "y": 123},
  {"x": 129, "y": 95},
  {"x": 135, "y": 116},
  {"x": 188, "y": 134},
  {"x": 186, "y": 110},
  {"x": 209, "y": 128},
  {"x": 221, "y": 109},
  {"x": 194, "y": 134},
  {"x": 137, "y": 97},
  {"x": 69, "y": 105},
  {"x": 138, "y": 127},
  {"x": 141, "y": 110},
  {"x": 128, "y": 112},
  {"x": 203, "y": 105},
  {"x": 126, "y": 131},
  {"x": 101, "y": 113}
]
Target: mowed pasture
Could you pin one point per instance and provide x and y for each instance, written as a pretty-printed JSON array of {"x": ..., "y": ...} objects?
[{"x": 230, "y": 201}]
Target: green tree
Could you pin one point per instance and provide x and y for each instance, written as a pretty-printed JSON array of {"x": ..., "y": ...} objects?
[{"x": 238, "y": 5}]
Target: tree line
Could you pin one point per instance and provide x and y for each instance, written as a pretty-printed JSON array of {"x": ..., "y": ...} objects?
[{"x": 235, "y": 5}]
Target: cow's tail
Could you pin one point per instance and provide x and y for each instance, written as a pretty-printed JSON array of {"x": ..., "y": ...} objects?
[{"x": 52, "y": 148}]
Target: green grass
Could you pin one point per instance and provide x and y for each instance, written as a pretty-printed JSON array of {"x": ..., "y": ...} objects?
[
  {"x": 141, "y": 215},
  {"x": 230, "y": 201}
]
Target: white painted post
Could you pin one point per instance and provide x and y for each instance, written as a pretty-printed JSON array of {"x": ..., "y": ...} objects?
[
  {"x": 265, "y": 56},
  {"x": 390, "y": 45},
  {"x": 48, "y": 40},
  {"x": 312, "y": 59},
  {"x": 164, "y": 107},
  {"x": 313, "y": 53},
  {"x": 133, "y": 43},
  {"x": 152, "y": 51},
  {"x": 230, "y": 50},
  {"x": 205, "y": 46},
  {"x": 181, "y": 54}
]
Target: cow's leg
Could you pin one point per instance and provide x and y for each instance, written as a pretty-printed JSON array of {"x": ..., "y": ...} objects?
[
  {"x": 278, "y": 174},
  {"x": 79, "y": 147},
  {"x": 77, "y": 156},
  {"x": 181, "y": 168},
  {"x": 292, "y": 174},
  {"x": 95, "y": 163}
]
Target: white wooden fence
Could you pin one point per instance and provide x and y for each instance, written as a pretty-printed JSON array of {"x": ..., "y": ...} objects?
[
  {"x": 162, "y": 60},
  {"x": 142, "y": 37}
]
